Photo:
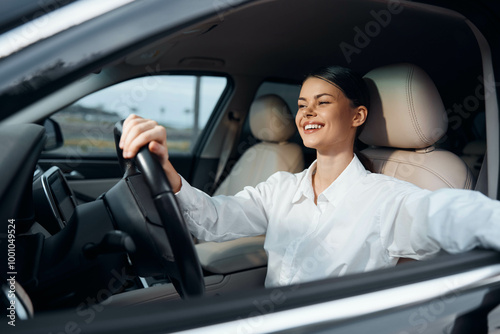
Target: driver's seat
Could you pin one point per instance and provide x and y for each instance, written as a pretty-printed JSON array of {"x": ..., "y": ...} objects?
[{"x": 405, "y": 120}]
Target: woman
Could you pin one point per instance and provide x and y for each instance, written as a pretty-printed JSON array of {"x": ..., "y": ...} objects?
[{"x": 335, "y": 217}]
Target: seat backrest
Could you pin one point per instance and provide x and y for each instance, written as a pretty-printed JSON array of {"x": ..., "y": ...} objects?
[
  {"x": 273, "y": 124},
  {"x": 406, "y": 118}
]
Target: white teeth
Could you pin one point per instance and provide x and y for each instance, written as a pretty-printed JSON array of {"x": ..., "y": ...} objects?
[{"x": 312, "y": 126}]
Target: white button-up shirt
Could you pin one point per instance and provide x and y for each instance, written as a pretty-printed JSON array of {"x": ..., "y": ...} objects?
[{"x": 362, "y": 221}]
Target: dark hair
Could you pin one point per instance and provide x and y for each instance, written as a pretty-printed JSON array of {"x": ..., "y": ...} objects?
[
  {"x": 348, "y": 81},
  {"x": 354, "y": 88}
]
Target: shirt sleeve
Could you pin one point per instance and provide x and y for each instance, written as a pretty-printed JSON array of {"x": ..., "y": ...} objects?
[
  {"x": 223, "y": 218},
  {"x": 418, "y": 223},
  {"x": 461, "y": 220}
]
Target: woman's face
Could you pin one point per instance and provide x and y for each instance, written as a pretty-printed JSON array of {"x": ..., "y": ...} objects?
[{"x": 325, "y": 118}]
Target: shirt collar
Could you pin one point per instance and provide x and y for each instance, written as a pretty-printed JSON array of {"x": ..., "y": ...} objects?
[
  {"x": 336, "y": 191},
  {"x": 305, "y": 186}
]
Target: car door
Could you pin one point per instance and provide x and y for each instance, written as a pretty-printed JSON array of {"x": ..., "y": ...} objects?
[{"x": 182, "y": 103}]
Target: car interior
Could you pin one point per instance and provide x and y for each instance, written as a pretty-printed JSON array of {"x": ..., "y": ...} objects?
[{"x": 95, "y": 219}]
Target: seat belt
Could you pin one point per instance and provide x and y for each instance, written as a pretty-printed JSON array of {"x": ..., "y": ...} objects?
[
  {"x": 482, "y": 178},
  {"x": 227, "y": 146}
]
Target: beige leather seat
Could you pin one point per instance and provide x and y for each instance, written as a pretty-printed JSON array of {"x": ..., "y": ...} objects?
[
  {"x": 273, "y": 124},
  {"x": 406, "y": 119}
]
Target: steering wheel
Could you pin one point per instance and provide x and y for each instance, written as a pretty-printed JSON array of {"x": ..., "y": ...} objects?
[{"x": 176, "y": 252}]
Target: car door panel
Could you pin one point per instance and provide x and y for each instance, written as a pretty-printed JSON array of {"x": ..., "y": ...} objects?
[{"x": 90, "y": 178}]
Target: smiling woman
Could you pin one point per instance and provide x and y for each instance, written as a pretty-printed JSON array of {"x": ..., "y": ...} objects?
[
  {"x": 327, "y": 228},
  {"x": 356, "y": 221},
  {"x": 348, "y": 94}
]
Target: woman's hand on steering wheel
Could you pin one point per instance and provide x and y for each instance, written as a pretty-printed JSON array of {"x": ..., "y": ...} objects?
[
  {"x": 143, "y": 145},
  {"x": 138, "y": 132}
]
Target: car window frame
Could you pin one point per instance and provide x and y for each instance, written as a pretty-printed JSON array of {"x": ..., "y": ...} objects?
[
  {"x": 211, "y": 123},
  {"x": 257, "y": 306}
]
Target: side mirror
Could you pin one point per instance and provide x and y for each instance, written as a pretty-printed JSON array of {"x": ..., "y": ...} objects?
[{"x": 54, "y": 135}]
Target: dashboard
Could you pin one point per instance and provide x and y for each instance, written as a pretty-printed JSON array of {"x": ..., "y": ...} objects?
[{"x": 54, "y": 201}]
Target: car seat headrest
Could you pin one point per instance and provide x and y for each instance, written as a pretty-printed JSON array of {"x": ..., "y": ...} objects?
[
  {"x": 406, "y": 109},
  {"x": 271, "y": 119}
]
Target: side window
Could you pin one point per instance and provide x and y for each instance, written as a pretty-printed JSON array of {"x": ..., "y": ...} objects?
[{"x": 181, "y": 103}]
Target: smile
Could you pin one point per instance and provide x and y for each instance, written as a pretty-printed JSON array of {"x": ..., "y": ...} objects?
[{"x": 313, "y": 126}]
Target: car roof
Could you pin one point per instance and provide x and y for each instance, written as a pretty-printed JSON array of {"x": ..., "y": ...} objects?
[{"x": 18, "y": 12}]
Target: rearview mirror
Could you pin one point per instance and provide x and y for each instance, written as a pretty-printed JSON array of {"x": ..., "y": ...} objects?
[{"x": 53, "y": 134}]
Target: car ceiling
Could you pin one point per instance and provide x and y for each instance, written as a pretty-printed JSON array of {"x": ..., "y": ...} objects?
[{"x": 286, "y": 39}]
